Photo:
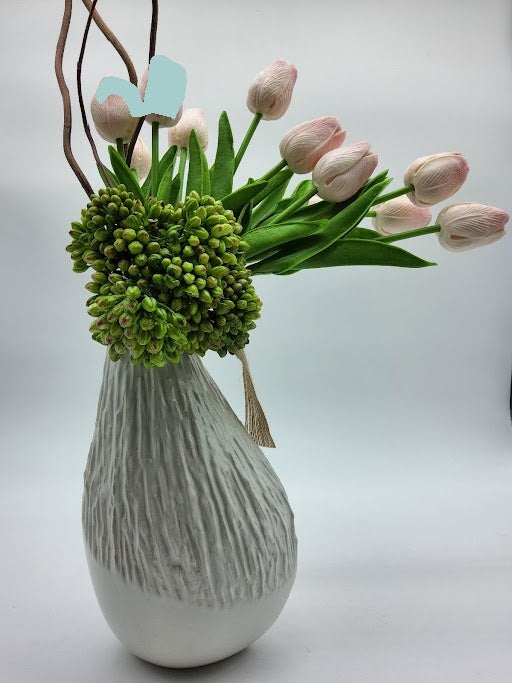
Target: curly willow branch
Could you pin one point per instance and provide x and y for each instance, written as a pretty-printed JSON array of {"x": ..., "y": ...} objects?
[
  {"x": 81, "y": 99},
  {"x": 66, "y": 101},
  {"x": 115, "y": 42},
  {"x": 152, "y": 48}
]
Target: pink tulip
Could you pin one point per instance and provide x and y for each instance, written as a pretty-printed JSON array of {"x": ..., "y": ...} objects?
[
  {"x": 141, "y": 158},
  {"x": 191, "y": 119},
  {"x": 340, "y": 173},
  {"x": 468, "y": 225},
  {"x": 164, "y": 121},
  {"x": 112, "y": 118},
  {"x": 271, "y": 91},
  {"x": 436, "y": 177},
  {"x": 305, "y": 144},
  {"x": 398, "y": 215}
]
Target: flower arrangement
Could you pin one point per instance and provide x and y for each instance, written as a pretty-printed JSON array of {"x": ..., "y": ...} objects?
[{"x": 174, "y": 244}]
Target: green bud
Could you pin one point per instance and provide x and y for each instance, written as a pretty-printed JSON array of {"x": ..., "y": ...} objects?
[
  {"x": 133, "y": 292},
  {"x": 152, "y": 248},
  {"x": 219, "y": 271},
  {"x": 146, "y": 323},
  {"x": 98, "y": 265},
  {"x": 205, "y": 296},
  {"x": 143, "y": 237},
  {"x": 188, "y": 278},
  {"x": 192, "y": 290},
  {"x": 140, "y": 260},
  {"x": 129, "y": 234},
  {"x": 149, "y": 304},
  {"x": 155, "y": 210},
  {"x": 135, "y": 247},
  {"x": 101, "y": 235}
]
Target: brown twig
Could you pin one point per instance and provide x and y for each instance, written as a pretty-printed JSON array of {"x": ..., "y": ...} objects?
[
  {"x": 154, "y": 28},
  {"x": 66, "y": 101},
  {"x": 87, "y": 129},
  {"x": 112, "y": 38},
  {"x": 152, "y": 48}
]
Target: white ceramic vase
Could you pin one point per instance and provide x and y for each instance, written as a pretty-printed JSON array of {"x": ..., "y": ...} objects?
[{"x": 188, "y": 532}]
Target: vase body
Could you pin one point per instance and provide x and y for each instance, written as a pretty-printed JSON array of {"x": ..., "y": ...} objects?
[{"x": 188, "y": 532}]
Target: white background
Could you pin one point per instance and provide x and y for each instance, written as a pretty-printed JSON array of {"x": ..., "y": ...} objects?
[{"x": 386, "y": 389}]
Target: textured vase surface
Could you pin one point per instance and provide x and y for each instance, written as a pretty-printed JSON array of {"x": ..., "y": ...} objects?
[{"x": 188, "y": 532}]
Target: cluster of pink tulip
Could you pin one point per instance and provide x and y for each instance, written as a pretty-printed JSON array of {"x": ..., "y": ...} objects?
[{"x": 338, "y": 171}]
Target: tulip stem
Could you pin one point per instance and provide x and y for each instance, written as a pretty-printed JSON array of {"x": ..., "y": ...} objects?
[
  {"x": 247, "y": 139},
  {"x": 410, "y": 233},
  {"x": 120, "y": 146},
  {"x": 294, "y": 206},
  {"x": 274, "y": 170},
  {"x": 392, "y": 195},
  {"x": 155, "y": 127}
]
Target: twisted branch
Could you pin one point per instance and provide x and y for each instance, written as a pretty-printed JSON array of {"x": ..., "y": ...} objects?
[
  {"x": 66, "y": 101},
  {"x": 152, "y": 48},
  {"x": 115, "y": 42},
  {"x": 81, "y": 99}
]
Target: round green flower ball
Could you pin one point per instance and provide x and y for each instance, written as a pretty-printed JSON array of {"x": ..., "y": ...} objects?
[{"x": 168, "y": 279}]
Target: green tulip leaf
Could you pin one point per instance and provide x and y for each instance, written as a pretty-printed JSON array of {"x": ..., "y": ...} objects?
[
  {"x": 291, "y": 256},
  {"x": 361, "y": 252},
  {"x": 267, "y": 200},
  {"x": 198, "y": 175},
  {"x": 124, "y": 174},
  {"x": 223, "y": 169},
  {"x": 239, "y": 198},
  {"x": 164, "y": 186},
  {"x": 274, "y": 235},
  {"x": 245, "y": 215},
  {"x": 106, "y": 175}
]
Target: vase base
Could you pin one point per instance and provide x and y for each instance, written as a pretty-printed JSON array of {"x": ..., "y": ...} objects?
[{"x": 173, "y": 634}]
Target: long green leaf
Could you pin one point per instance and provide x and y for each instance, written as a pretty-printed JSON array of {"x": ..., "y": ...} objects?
[
  {"x": 363, "y": 234},
  {"x": 274, "y": 235},
  {"x": 239, "y": 198},
  {"x": 268, "y": 206},
  {"x": 291, "y": 256},
  {"x": 175, "y": 188},
  {"x": 324, "y": 209},
  {"x": 360, "y": 252},
  {"x": 245, "y": 216},
  {"x": 105, "y": 174},
  {"x": 164, "y": 186},
  {"x": 198, "y": 176},
  {"x": 124, "y": 173},
  {"x": 223, "y": 169}
]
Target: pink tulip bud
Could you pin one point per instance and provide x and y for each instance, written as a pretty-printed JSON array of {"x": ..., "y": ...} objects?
[
  {"x": 340, "y": 173},
  {"x": 112, "y": 118},
  {"x": 305, "y": 144},
  {"x": 436, "y": 177},
  {"x": 164, "y": 121},
  {"x": 141, "y": 158},
  {"x": 191, "y": 119},
  {"x": 398, "y": 215},
  {"x": 271, "y": 91},
  {"x": 468, "y": 225}
]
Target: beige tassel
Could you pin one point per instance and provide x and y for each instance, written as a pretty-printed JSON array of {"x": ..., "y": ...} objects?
[{"x": 255, "y": 420}]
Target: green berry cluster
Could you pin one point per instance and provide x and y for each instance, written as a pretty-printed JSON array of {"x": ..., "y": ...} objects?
[{"x": 168, "y": 279}]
